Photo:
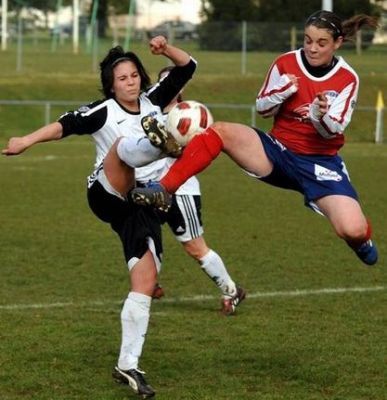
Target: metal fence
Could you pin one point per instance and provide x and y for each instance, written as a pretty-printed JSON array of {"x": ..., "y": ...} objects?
[{"x": 218, "y": 36}]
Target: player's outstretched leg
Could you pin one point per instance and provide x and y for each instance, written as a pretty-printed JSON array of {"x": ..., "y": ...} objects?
[
  {"x": 135, "y": 379},
  {"x": 160, "y": 137}
]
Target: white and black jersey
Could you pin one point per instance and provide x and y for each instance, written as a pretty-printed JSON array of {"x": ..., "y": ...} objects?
[
  {"x": 138, "y": 227},
  {"x": 107, "y": 120}
]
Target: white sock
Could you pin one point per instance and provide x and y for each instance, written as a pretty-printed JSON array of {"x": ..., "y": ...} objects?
[
  {"x": 213, "y": 266},
  {"x": 134, "y": 322},
  {"x": 137, "y": 152}
]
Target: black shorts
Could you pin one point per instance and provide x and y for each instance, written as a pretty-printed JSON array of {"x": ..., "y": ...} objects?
[{"x": 133, "y": 223}]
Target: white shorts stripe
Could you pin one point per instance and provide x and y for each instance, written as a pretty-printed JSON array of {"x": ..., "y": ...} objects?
[
  {"x": 193, "y": 227},
  {"x": 190, "y": 211}
]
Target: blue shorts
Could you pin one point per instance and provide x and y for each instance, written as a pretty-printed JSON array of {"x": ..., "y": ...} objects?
[{"x": 313, "y": 176}]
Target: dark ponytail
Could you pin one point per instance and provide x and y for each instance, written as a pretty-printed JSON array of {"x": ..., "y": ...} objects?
[
  {"x": 347, "y": 29},
  {"x": 352, "y": 25}
]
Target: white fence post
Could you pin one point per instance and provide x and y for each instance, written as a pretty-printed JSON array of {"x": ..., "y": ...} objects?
[
  {"x": 47, "y": 112},
  {"x": 19, "y": 56},
  {"x": 244, "y": 47}
]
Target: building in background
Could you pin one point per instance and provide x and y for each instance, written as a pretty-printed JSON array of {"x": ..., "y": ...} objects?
[{"x": 151, "y": 13}]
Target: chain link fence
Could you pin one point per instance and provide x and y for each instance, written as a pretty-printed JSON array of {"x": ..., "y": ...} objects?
[{"x": 216, "y": 36}]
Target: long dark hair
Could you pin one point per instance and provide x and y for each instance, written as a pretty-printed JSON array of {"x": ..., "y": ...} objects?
[
  {"x": 333, "y": 23},
  {"x": 111, "y": 60}
]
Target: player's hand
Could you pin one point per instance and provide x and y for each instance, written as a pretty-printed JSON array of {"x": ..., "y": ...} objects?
[
  {"x": 322, "y": 102},
  {"x": 294, "y": 79},
  {"x": 158, "y": 45},
  {"x": 15, "y": 146},
  {"x": 319, "y": 107}
]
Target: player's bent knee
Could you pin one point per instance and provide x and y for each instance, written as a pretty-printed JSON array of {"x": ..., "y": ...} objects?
[
  {"x": 222, "y": 129},
  {"x": 353, "y": 232}
]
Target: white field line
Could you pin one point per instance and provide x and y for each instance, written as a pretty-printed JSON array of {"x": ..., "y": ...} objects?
[
  {"x": 48, "y": 157},
  {"x": 291, "y": 293}
]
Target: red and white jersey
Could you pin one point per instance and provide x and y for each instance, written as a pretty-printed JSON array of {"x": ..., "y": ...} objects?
[{"x": 296, "y": 123}]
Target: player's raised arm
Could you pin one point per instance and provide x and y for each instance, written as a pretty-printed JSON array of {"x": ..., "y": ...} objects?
[
  {"x": 159, "y": 46},
  {"x": 17, "y": 145}
]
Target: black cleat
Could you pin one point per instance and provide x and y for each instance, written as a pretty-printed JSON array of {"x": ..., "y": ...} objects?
[
  {"x": 135, "y": 379},
  {"x": 160, "y": 137},
  {"x": 229, "y": 304},
  {"x": 153, "y": 194}
]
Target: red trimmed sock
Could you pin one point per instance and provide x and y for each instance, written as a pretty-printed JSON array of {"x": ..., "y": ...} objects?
[
  {"x": 197, "y": 155},
  {"x": 355, "y": 244}
]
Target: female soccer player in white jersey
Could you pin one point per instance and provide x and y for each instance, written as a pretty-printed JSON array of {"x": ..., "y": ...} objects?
[
  {"x": 184, "y": 219},
  {"x": 311, "y": 93},
  {"x": 125, "y": 85}
]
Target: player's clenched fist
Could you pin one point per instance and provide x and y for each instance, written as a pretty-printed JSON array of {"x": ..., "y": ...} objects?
[{"x": 158, "y": 44}]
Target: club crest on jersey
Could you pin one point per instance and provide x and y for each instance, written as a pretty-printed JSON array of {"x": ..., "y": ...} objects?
[{"x": 325, "y": 174}]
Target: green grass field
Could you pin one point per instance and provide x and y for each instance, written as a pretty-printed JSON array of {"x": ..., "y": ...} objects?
[{"x": 312, "y": 328}]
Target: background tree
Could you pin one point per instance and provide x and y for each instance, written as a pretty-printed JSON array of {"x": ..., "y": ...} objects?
[
  {"x": 116, "y": 6},
  {"x": 279, "y": 10},
  {"x": 269, "y": 21},
  {"x": 230, "y": 10},
  {"x": 45, "y": 6}
]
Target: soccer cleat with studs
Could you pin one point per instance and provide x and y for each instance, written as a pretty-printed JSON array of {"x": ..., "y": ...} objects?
[
  {"x": 160, "y": 137},
  {"x": 153, "y": 194},
  {"x": 368, "y": 253},
  {"x": 135, "y": 379},
  {"x": 229, "y": 304}
]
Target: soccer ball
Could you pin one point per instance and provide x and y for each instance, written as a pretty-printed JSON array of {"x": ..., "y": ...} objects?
[{"x": 186, "y": 119}]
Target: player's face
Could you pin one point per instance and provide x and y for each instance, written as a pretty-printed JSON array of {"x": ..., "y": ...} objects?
[
  {"x": 127, "y": 84},
  {"x": 319, "y": 46}
]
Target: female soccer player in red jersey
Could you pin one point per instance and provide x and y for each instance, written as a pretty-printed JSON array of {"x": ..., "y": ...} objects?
[{"x": 311, "y": 93}]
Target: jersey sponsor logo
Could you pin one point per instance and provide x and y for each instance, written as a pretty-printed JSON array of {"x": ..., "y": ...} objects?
[
  {"x": 301, "y": 113},
  {"x": 121, "y": 121},
  {"x": 325, "y": 174}
]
